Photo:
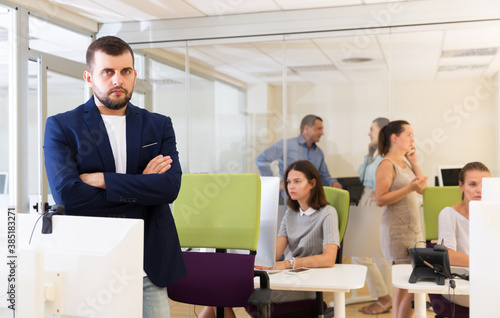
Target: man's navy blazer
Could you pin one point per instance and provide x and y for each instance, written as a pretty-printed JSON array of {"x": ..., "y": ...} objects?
[{"x": 76, "y": 142}]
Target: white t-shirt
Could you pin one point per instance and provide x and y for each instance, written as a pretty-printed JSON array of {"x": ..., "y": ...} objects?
[
  {"x": 454, "y": 230},
  {"x": 117, "y": 132}
]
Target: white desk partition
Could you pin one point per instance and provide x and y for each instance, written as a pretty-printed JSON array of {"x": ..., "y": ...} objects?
[
  {"x": 484, "y": 230},
  {"x": 87, "y": 267},
  {"x": 484, "y": 218},
  {"x": 491, "y": 190},
  {"x": 362, "y": 236},
  {"x": 266, "y": 248}
]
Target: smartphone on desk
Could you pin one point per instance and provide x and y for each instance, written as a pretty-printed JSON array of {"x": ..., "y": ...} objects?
[{"x": 297, "y": 271}]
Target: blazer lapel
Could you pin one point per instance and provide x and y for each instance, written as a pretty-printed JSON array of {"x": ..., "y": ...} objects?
[
  {"x": 134, "y": 129},
  {"x": 99, "y": 135}
]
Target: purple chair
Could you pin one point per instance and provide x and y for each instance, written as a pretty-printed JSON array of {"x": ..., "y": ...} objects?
[
  {"x": 216, "y": 279},
  {"x": 443, "y": 308},
  {"x": 219, "y": 212}
]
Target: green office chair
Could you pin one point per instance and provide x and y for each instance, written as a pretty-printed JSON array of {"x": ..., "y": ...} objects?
[
  {"x": 339, "y": 199},
  {"x": 219, "y": 211},
  {"x": 435, "y": 199}
]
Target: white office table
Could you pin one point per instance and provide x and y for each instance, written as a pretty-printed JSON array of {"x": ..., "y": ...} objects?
[
  {"x": 400, "y": 276},
  {"x": 339, "y": 279}
]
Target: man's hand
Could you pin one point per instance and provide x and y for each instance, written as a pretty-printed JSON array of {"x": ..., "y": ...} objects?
[
  {"x": 95, "y": 179},
  {"x": 336, "y": 184},
  {"x": 158, "y": 165}
]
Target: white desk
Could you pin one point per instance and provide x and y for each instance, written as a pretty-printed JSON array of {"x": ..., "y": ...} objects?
[
  {"x": 339, "y": 279},
  {"x": 400, "y": 276}
]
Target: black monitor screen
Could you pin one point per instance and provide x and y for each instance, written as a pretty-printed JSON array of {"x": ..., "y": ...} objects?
[
  {"x": 450, "y": 176},
  {"x": 354, "y": 186}
]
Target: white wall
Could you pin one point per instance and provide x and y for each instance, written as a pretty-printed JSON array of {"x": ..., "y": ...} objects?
[{"x": 455, "y": 121}]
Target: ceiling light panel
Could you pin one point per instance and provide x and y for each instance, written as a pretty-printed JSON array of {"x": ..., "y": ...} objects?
[
  {"x": 472, "y": 52},
  {"x": 301, "y": 4},
  {"x": 222, "y": 7}
]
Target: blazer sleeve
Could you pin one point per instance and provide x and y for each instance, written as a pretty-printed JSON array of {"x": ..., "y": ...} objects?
[
  {"x": 148, "y": 189},
  {"x": 61, "y": 165}
]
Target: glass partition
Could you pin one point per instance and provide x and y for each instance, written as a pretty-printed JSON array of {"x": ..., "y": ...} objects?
[
  {"x": 63, "y": 94},
  {"x": 169, "y": 98},
  {"x": 444, "y": 84},
  {"x": 347, "y": 84},
  {"x": 440, "y": 78},
  {"x": 233, "y": 103},
  {"x": 51, "y": 38},
  {"x": 244, "y": 95},
  {"x": 5, "y": 58}
]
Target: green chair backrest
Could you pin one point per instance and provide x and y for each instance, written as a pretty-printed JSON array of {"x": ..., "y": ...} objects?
[
  {"x": 218, "y": 211},
  {"x": 339, "y": 199},
  {"x": 435, "y": 199}
]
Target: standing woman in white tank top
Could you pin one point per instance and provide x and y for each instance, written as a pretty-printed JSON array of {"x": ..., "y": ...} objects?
[{"x": 397, "y": 180}]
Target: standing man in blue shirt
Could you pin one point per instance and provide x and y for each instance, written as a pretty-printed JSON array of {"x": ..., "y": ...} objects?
[{"x": 302, "y": 147}]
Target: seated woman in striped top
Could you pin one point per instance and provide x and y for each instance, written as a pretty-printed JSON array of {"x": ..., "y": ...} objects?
[{"x": 309, "y": 228}]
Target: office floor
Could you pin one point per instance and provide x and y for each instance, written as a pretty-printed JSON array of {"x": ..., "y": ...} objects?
[{"x": 179, "y": 310}]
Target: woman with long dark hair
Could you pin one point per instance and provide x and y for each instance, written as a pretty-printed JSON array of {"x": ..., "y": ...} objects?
[
  {"x": 397, "y": 182},
  {"x": 309, "y": 228}
]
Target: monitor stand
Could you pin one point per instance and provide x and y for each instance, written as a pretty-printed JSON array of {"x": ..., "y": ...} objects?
[{"x": 426, "y": 273}]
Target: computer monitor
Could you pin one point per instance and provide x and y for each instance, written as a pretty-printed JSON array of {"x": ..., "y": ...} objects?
[
  {"x": 94, "y": 267},
  {"x": 448, "y": 175},
  {"x": 354, "y": 186},
  {"x": 269, "y": 201}
]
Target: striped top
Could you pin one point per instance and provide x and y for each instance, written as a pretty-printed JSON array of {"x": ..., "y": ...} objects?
[{"x": 307, "y": 234}]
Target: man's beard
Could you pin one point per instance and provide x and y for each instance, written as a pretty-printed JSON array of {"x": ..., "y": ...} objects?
[{"x": 112, "y": 104}]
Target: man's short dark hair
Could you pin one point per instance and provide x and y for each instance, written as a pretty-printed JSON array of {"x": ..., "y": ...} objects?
[
  {"x": 309, "y": 121},
  {"x": 110, "y": 45}
]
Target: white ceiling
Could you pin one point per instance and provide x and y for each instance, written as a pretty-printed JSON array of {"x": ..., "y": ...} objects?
[
  {"x": 131, "y": 10},
  {"x": 426, "y": 54}
]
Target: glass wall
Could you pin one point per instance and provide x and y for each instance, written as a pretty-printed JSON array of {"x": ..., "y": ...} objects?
[
  {"x": 230, "y": 99},
  {"x": 232, "y": 87},
  {"x": 168, "y": 83},
  {"x": 55, "y": 85},
  {"x": 51, "y": 38},
  {"x": 440, "y": 78},
  {"x": 346, "y": 84},
  {"x": 5, "y": 59}
]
